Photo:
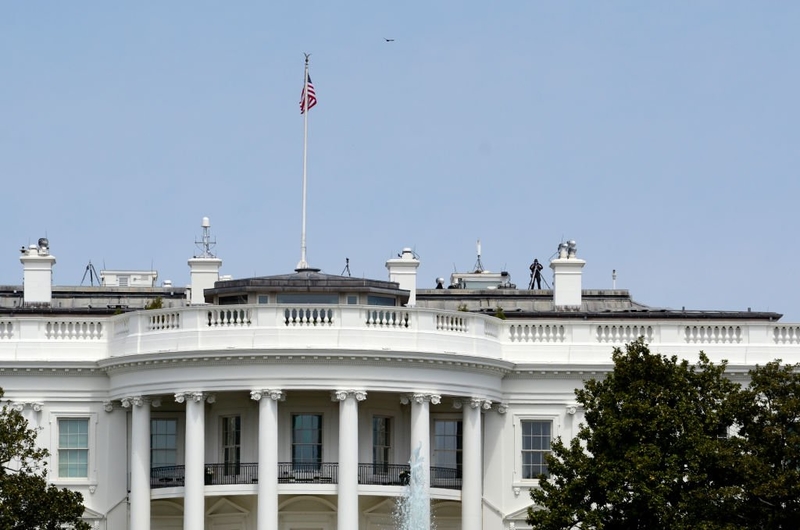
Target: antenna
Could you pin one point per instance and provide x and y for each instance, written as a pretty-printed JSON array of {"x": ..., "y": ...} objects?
[
  {"x": 478, "y": 264},
  {"x": 206, "y": 243},
  {"x": 614, "y": 278},
  {"x": 346, "y": 267}
]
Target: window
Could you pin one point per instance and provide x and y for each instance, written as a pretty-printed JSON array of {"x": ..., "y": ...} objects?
[
  {"x": 163, "y": 442},
  {"x": 381, "y": 444},
  {"x": 238, "y": 299},
  {"x": 380, "y": 300},
  {"x": 231, "y": 444},
  {"x": 447, "y": 446},
  {"x": 73, "y": 447},
  {"x": 307, "y": 441},
  {"x": 307, "y": 298},
  {"x": 536, "y": 437},
  {"x": 352, "y": 299},
  {"x": 263, "y": 299}
]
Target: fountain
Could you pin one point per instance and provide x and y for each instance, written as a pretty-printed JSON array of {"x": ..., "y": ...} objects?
[{"x": 413, "y": 511}]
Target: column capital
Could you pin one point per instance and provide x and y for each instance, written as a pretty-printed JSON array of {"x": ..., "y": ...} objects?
[
  {"x": 502, "y": 408},
  {"x": 196, "y": 396},
  {"x": 572, "y": 408},
  {"x": 108, "y": 406},
  {"x": 274, "y": 394},
  {"x": 134, "y": 401},
  {"x": 420, "y": 397},
  {"x": 19, "y": 406},
  {"x": 341, "y": 395},
  {"x": 474, "y": 402}
]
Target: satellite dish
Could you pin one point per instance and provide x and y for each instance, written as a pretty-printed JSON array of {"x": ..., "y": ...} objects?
[{"x": 44, "y": 243}]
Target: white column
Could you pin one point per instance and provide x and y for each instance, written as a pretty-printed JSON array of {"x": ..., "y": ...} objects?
[
  {"x": 194, "y": 450},
  {"x": 348, "y": 456},
  {"x": 267, "y": 457},
  {"x": 471, "y": 465},
  {"x": 421, "y": 434},
  {"x": 140, "y": 461}
]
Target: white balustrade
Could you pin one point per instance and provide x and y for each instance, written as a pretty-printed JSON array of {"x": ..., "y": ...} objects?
[
  {"x": 228, "y": 317},
  {"x": 537, "y": 333},
  {"x": 74, "y": 330},
  {"x": 6, "y": 329},
  {"x": 786, "y": 334},
  {"x": 624, "y": 333},
  {"x": 709, "y": 334},
  {"x": 308, "y": 316},
  {"x": 161, "y": 320},
  {"x": 383, "y": 329},
  {"x": 452, "y": 322},
  {"x": 387, "y": 318}
]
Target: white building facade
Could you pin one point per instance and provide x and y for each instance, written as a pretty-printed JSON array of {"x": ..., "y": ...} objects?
[{"x": 295, "y": 402}]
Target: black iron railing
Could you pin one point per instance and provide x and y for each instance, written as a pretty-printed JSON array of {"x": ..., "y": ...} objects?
[
  {"x": 319, "y": 473},
  {"x": 231, "y": 474},
  {"x": 383, "y": 474},
  {"x": 167, "y": 476},
  {"x": 446, "y": 477}
]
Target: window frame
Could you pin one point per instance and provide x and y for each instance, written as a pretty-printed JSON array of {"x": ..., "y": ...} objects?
[
  {"x": 177, "y": 436},
  {"x": 555, "y": 429},
  {"x": 231, "y": 467},
  {"x": 91, "y": 456},
  {"x": 315, "y": 466},
  {"x": 459, "y": 450},
  {"x": 382, "y": 467}
]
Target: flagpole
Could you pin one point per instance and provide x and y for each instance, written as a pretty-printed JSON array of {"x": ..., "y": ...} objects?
[{"x": 303, "y": 264}]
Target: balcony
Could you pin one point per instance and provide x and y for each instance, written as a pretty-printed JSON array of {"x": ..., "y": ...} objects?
[
  {"x": 365, "y": 328},
  {"x": 288, "y": 473}
]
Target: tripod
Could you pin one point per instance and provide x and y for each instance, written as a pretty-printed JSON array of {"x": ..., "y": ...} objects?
[
  {"x": 536, "y": 276},
  {"x": 90, "y": 270}
]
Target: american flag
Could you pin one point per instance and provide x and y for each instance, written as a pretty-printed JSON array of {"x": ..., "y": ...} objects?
[{"x": 312, "y": 97}]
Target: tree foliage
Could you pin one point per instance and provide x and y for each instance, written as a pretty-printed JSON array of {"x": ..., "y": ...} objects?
[
  {"x": 650, "y": 454},
  {"x": 768, "y": 421},
  {"x": 27, "y": 501}
]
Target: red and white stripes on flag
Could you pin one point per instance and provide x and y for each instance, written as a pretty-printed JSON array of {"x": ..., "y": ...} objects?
[{"x": 307, "y": 94}]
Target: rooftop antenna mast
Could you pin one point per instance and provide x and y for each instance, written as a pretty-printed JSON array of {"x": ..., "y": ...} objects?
[
  {"x": 206, "y": 243},
  {"x": 478, "y": 264},
  {"x": 346, "y": 267}
]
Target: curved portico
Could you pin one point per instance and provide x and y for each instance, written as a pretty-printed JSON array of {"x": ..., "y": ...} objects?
[{"x": 271, "y": 393}]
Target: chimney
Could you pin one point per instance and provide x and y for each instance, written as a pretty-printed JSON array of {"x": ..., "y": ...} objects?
[
  {"x": 403, "y": 270},
  {"x": 204, "y": 269},
  {"x": 567, "y": 277},
  {"x": 37, "y": 273}
]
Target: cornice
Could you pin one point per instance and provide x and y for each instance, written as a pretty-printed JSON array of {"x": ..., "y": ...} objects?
[
  {"x": 47, "y": 369},
  {"x": 125, "y": 364},
  {"x": 736, "y": 373}
]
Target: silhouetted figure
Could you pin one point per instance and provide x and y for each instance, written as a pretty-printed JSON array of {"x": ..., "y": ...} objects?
[{"x": 536, "y": 274}]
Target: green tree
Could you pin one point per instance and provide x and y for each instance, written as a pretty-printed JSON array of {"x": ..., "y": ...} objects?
[
  {"x": 27, "y": 502},
  {"x": 768, "y": 420},
  {"x": 155, "y": 303},
  {"x": 650, "y": 454}
]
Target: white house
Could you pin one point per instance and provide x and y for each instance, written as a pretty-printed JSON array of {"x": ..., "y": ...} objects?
[{"x": 296, "y": 401}]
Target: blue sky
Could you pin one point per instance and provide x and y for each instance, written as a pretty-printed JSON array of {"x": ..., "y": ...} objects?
[{"x": 663, "y": 137}]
